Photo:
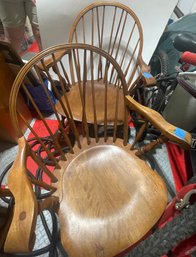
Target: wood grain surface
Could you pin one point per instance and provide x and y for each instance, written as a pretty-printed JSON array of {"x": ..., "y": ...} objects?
[
  {"x": 21, "y": 235},
  {"x": 171, "y": 132},
  {"x": 99, "y": 87},
  {"x": 109, "y": 199}
]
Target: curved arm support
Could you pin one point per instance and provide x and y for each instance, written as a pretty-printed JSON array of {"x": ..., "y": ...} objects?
[
  {"x": 172, "y": 133},
  {"x": 21, "y": 237}
]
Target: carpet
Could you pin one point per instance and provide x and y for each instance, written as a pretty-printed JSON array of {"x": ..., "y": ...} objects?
[{"x": 180, "y": 164}]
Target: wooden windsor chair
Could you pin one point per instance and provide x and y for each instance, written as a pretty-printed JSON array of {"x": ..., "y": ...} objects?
[
  {"x": 114, "y": 28},
  {"x": 109, "y": 197}
]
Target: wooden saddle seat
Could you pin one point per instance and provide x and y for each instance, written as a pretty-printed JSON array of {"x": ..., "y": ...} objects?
[
  {"x": 109, "y": 198},
  {"x": 74, "y": 100}
]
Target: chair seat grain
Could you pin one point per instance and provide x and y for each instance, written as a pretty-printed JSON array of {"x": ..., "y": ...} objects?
[
  {"x": 110, "y": 199},
  {"x": 100, "y": 94}
]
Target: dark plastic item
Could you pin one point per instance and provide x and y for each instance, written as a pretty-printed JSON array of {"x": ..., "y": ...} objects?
[{"x": 185, "y": 42}]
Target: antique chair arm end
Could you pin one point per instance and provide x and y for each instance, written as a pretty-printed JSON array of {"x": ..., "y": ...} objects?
[
  {"x": 21, "y": 236},
  {"x": 169, "y": 131}
]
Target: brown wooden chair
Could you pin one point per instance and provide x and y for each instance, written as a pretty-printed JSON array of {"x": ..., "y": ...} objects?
[
  {"x": 116, "y": 29},
  {"x": 90, "y": 75},
  {"x": 109, "y": 197}
]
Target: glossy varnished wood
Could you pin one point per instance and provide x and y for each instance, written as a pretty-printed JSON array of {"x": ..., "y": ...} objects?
[
  {"x": 168, "y": 130},
  {"x": 72, "y": 74},
  {"x": 99, "y": 90},
  {"x": 20, "y": 237},
  {"x": 109, "y": 199}
]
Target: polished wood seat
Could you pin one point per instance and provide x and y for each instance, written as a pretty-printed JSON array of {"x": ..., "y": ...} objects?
[
  {"x": 99, "y": 95},
  {"x": 107, "y": 200},
  {"x": 108, "y": 197}
]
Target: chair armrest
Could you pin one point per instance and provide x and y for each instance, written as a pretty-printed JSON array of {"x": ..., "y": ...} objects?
[
  {"x": 172, "y": 133},
  {"x": 145, "y": 74},
  {"x": 20, "y": 237}
]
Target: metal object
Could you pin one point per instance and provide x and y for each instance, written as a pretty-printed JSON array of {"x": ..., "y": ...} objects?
[{"x": 185, "y": 201}]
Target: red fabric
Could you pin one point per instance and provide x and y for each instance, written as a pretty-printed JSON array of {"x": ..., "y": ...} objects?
[
  {"x": 186, "y": 248},
  {"x": 180, "y": 165}
]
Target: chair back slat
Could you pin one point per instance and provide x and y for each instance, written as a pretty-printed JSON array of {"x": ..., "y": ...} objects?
[
  {"x": 127, "y": 70},
  {"x": 83, "y": 30},
  {"x": 121, "y": 36},
  {"x": 56, "y": 116},
  {"x": 67, "y": 109},
  {"x": 42, "y": 165},
  {"x": 65, "y": 75},
  {"x": 116, "y": 34},
  {"x": 92, "y": 27},
  {"x": 72, "y": 124},
  {"x": 112, "y": 30},
  {"x": 77, "y": 64},
  {"x": 56, "y": 144},
  {"x": 105, "y": 104},
  {"x": 102, "y": 26},
  {"x": 116, "y": 113},
  {"x": 125, "y": 128},
  {"x": 93, "y": 96},
  {"x": 84, "y": 119},
  {"x": 98, "y": 28},
  {"x": 71, "y": 67},
  {"x": 126, "y": 47}
]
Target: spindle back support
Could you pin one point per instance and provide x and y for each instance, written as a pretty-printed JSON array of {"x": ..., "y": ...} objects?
[{"x": 116, "y": 29}]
